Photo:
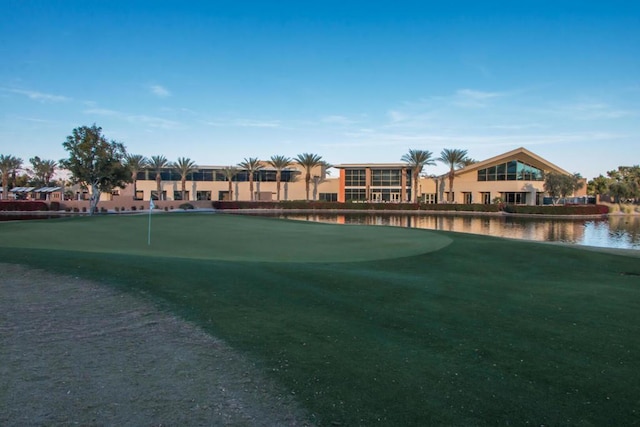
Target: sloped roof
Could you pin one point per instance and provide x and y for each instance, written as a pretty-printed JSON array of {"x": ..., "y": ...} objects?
[
  {"x": 371, "y": 165},
  {"x": 520, "y": 154}
]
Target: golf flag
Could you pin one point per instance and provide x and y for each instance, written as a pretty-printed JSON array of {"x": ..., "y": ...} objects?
[{"x": 151, "y": 207}]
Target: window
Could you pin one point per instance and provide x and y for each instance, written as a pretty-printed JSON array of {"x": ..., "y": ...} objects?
[
  {"x": 355, "y": 195},
  {"x": 139, "y": 195},
  {"x": 203, "y": 195},
  {"x": 468, "y": 199},
  {"x": 447, "y": 199},
  {"x": 515, "y": 198},
  {"x": 386, "y": 177},
  {"x": 154, "y": 195},
  {"x": 355, "y": 177},
  {"x": 511, "y": 171},
  {"x": 486, "y": 197},
  {"x": 430, "y": 198},
  {"x": 328, "y": 197},
  {"x": 177, "y": 195}
]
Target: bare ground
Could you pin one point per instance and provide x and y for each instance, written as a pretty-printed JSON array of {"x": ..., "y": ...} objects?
[{"x": 73, "y": 352}]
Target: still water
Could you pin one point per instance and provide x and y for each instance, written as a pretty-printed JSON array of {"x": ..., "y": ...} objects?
[{"x": 614, "y": 232}]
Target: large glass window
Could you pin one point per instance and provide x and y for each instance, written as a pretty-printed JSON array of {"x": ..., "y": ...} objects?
[
  {"x": 511, "y": 171},
  {"x": 355, "y": 177},
  {"x": 328, "y": 197},
  {"x": 386, "y": 177},
  {"x": 355, "y": 195},
  {"x": 515, "y": 198}
]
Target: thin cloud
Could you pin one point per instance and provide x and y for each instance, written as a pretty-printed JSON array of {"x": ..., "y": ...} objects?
[
  {"x": 34, "y": 119},
  {"x": 473, "y": 98},
  {"x": 159, "y": 91},
  {"x": 38, "y": 96},
  {"x": 103, "y": 112},
  {"x": 249, "y": 123},
  {"x": 592, "y": 111},
  {"x": 154, "y": 122}
]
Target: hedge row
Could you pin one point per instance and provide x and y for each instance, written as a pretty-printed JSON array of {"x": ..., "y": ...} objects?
[
  {"x": 317, "y": 205},
  {"x": 558, "y": 210},
  {"x": 22, "y": 205}
]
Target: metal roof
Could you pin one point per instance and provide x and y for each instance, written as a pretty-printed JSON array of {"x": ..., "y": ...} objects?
[
  {"x": 47, "y": 189},
  {"x": 33, "y": 189}
]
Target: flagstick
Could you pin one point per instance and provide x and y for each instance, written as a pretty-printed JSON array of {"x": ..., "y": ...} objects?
[{"x": 149, "y": 233}]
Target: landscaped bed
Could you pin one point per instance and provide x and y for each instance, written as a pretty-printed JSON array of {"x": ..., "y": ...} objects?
[{"x": 366, "y": 325}]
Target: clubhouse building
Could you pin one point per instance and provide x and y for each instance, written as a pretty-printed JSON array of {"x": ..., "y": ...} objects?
[{"x": 514, "y": 177}]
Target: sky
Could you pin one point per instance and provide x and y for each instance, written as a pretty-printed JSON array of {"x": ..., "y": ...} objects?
[{"x": 353, "y": 81}]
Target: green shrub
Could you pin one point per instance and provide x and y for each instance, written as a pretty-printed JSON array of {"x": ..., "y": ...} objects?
[
  {"x": 186, "y": 206},
  {"x": 54, "y": 206},
  {"x": 558, "y": 210},
  {"x": 133, "y": 208},
  {"x": 23, "y": 205}
]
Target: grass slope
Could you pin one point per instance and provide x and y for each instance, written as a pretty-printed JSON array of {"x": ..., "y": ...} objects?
[{"x": 483, "y": 331}]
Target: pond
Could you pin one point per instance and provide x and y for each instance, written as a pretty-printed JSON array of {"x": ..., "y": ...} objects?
[{"x": 615, "y": 232}]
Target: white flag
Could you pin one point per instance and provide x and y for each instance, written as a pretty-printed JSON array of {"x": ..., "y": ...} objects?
[{"x": 151, "y": 205}]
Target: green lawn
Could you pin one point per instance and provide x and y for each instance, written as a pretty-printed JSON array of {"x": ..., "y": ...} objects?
[{"x": 381, "y": 325}]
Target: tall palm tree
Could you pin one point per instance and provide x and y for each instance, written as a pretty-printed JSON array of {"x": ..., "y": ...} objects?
[
  {"x": 417, "y": 160},
  {"x": 156, "y": 164},
  {"x": 9, "y": 165},
  {"x": 454, "y": 158},
  {"x": 229, "y": 172},
  {"x": 308, "y": 161},
  {"x": 135, "y": 163},
  {"x": 251, "y": 165},
  {"x": 184, "y": 166},
  {"x": 279, "y": 163}
]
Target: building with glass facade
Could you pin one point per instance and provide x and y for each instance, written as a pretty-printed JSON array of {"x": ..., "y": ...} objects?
[{"x": 515, "y": 177}]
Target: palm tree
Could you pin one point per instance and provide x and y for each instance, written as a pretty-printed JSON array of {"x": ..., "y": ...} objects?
[
  {"x": 468, "y": 161},
  {"x": 43, "y": 170},
  {"x": 156, "y": 164},
  {"x": 9, "y": 165},
  {"x": 135, "y": 163},
  {"x": 184, "y": 166},
  {"x": 229, "y": 172},
  {"x": 454, "y": 158},
  {"x": 308, "y": 161},
  {"x": 417, "y": 160},
  {"x": 279, "y": 163},
  {"x": 251, "y": 165}
]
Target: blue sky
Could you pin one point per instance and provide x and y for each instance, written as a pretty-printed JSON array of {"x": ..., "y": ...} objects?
[{"x": 353, "y": 81}]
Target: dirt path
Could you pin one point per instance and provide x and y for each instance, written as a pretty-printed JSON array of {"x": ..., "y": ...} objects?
[{"x": 76, "y": 353}]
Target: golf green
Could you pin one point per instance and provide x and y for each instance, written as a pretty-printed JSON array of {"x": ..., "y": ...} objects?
[
  {"x": 221, "y": 237},
  {"x": 368, "y": 325}
]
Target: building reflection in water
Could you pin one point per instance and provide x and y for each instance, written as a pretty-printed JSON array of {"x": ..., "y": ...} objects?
[{"x": 615, "y": 232}]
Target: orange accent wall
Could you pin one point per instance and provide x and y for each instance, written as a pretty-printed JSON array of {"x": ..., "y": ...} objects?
[{"x": 341, "y": 186}]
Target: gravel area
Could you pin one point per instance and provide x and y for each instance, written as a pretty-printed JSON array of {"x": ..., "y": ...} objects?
[{"x": 74, "y": 352}]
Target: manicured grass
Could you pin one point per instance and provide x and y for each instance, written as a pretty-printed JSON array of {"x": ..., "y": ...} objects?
[{"x": 482, "y": 331}]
